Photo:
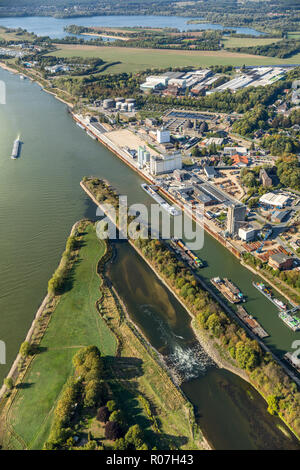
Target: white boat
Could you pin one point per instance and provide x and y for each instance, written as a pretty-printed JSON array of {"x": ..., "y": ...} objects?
[
  {"x": 80, "y": 125},
  {"x": 91, "y": 135},
  {"x": 16, "y": 149},
  {"x": 280, "y": 304},
  {"x": 164, "y": 204}
]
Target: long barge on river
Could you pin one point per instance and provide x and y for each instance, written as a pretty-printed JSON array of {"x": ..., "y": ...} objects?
[
  {"x": 228, "y": 289},
  {"x": 251, "y": 322},
  {"x": 152, "y": 190},
  {"x": 187, "y": 254},
  {"x": 16, "y": 149},
  {"x": 292, "y": 321}
]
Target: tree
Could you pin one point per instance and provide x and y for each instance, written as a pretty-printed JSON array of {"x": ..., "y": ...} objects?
[
  {"x": 134, "y": 437},
  {"x": 9, "y": 383},
  {"x": 113, "y": 430},
  {"x": 273, "y": 407},
  {"x": 25, "y": 349},
  {"x": 103, "y": 414},
  {"x": 111, "y": 405},
  {"x": 120, "y": 444}
]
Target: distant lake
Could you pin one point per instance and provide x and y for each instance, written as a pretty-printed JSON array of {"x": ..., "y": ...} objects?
[{"x": 54, "y": 27}]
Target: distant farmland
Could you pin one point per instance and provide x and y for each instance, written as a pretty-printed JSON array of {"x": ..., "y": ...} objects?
[{"x": 135, "y": 59}]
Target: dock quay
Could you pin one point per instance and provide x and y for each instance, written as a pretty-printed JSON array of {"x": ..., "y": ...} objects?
[{"x": 251, "y": 322}]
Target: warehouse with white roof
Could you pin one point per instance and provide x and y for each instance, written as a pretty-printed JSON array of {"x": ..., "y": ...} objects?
[{"x": 274, "y": 200}]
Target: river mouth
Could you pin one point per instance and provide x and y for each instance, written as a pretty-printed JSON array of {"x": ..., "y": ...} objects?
[{"x": 231, "y": 414}]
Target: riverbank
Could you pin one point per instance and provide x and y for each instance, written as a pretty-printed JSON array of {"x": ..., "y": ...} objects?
[
  {"x": 28, "y": 412},
  {"x": 14, "y": 372},
  {"x": 32, "y": 78}
]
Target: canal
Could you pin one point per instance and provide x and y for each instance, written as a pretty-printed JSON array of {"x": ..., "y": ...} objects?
[{"x": 40, "y": 199}]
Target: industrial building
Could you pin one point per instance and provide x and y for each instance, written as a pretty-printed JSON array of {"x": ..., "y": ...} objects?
[
  {"x": 143, "y": 156},
  {"x": 280, "y": 261},
  {"x": 235, "y": 217},
  {"x": 210, "y": 172},
  {"x": 163, "y": 136},
  {"x": 247, "y": 233},
  {"x": 165, "y": 164},
  {"x": 274, "y": 200}
]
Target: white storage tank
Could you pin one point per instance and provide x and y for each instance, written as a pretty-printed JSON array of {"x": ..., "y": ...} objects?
[
  {"x": 108, "y": 103},
  {"x": 124, "y": 106}
]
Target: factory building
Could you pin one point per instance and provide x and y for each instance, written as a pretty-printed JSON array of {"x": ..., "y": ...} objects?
[
  {"x": 247, "y": 233},
  {"x": 235, "y": 217},
  {"x": 165, "y": 164},
  {"x": 163, "y": 136},
  {"x": 274, "y": 200},
  {"x": 280, "y": 261}
]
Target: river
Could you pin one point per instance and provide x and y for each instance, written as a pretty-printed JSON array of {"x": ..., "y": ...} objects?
[
  {"x": 54, "y": 27},
  {"x": 40, "y": 199}
]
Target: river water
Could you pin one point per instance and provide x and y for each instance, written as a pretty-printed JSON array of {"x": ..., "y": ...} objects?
[
  {"x": 54, "y": 27},
  {"x": 40, "y": 199}
]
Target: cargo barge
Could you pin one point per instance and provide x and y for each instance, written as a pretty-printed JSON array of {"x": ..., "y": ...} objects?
[
  {"x": 187, "y": 254},
  {"x": 292, "y": 321},
  {"x": 267, "y": 293},
  {"x": 16, "y": 149},
  {"x": 225, "y": 288},
  {"x": 251, "y": 322},
  {"x": 153, "y": 192}
]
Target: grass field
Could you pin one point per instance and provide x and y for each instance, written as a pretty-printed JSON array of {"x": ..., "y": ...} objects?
[
  {"x": 134, "y": 59},
  {"x": 14, "y": 37},
  {"x": 247, "y": 42},
  {"x": 74, "y": 323},
  {"x": 294, "y": 35}
]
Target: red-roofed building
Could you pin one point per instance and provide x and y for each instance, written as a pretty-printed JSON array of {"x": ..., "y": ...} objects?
[{"x": 240, "y": 160}]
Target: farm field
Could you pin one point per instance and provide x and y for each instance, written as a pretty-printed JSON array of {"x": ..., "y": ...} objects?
[
  {"x": 74, "y": 323},
  {"x": 248, "y": 42},
  {"x": 294, "y": 35},
  {"x": 135, "y": 59},
  {"x": 7, "y": 36}
]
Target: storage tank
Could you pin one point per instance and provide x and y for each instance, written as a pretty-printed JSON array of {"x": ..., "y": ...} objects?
[
  {"x": 130, "y": 100},
  {"x": 130, "y": 106},
  {"x": 118, "y": 104},
  {"x": 108, "y": 103},
  {"x": 122, "y": 100},
  {"x": 124, "y": 106}
]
